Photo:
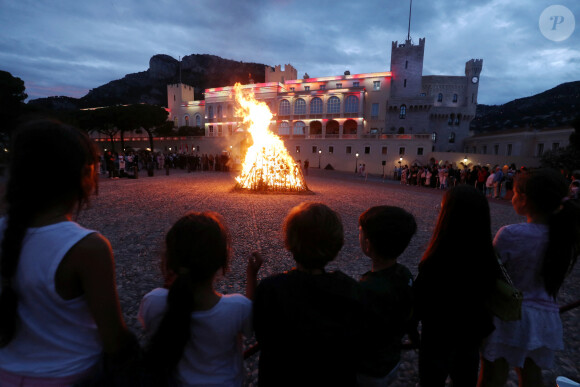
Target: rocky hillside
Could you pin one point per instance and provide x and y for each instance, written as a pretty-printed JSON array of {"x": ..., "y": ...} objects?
[
  {"x": 555, "y": 107},
  {"x": 201, "y": 71}
]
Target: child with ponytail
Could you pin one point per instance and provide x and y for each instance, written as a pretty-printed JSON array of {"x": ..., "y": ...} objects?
[
  {"x": 196, "y": 331},
  {"x": 538, "y": 255}
]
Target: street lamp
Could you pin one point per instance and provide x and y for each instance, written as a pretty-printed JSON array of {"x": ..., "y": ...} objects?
[
  {"x": 356, "y": 163},
  {"x": 319, "y": 156}
]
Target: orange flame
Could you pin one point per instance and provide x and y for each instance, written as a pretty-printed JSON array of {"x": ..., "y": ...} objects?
[{"x": 267, "y": 164}]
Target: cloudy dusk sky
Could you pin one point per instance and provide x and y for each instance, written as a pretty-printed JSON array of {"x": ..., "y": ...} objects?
[{"x": 67, "y": 47}]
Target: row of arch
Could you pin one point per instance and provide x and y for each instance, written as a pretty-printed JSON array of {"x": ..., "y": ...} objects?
[
  {"x": 315, "y": 128},
  {"x": 316, "y": 106}
]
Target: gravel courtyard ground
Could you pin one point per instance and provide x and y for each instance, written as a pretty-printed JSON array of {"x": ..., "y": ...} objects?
[{"x": 135, "y": 215}]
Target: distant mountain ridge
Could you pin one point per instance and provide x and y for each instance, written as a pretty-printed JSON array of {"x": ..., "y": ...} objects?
[
  {"x": 558, "y": 106},
  {"x": 551, "y": 108},
  {"x": 201, "y": 71}
]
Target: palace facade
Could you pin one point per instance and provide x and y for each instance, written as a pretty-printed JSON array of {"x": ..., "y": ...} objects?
[{"x": 377, "y": 119}]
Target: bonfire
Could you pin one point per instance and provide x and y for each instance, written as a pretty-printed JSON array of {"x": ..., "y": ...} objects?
[{"x": 267, "y": 165}]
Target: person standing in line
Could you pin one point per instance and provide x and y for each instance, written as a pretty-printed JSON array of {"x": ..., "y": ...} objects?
[
  {"x": 309, "y": 322},
  {"x": 537, "y": 255},
  {"x": 497, "y": 182},
  {"x": 384, "y": 233},
  {"x": 195, "y": 331},
  {"x": 59, "y": 309},
  {"x": 452, "y": 287}
]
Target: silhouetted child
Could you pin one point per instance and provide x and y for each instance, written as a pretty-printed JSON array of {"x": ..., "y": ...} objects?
[
  {"x": 384, "y": 233},
  {"x": 196, "y": 330},
  {"x": 308, "y": 322}
]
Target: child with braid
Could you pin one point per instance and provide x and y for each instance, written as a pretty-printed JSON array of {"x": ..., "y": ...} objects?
[{"x": 196, "y": 331}]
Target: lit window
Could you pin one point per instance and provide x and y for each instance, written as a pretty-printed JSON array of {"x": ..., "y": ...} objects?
[
  {"x": 316, "y": 106},
  {"x": 377, "y": 85},
  {"x": 351, "y": 104},
  {"x": 434, "y": 136},
  {"x": 333, "y": 106},
  {"x": 297, "y": 148},
  {"x": 356, "y": 84},
  {"x": 403, "y": 111},
  {"x": 374, "y": 111},
  {"x": 300, "y": 106},
  {"x": 451, "y": 137},
  {"x": 454, "y": 97},
  {"x": 307, "y": 88},
  {"x": 284, "y": 129},
  {"x": 331, "y": 149},
  {"x": 299, "y": 128},
  {"x": 197, "y": 120},
  {"x": 284, "y": 108}
]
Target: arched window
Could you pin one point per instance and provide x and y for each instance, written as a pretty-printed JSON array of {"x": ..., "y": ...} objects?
[
  {"x": 351, "y": 104},
  {"x": 316, "y": 106},
  {"x": 210, "y": 112},
  {"x": 439, "y": 97},
  {"x": 451, "y": 137},
  {"x": 454, "y": 97},
  {"x": 175, "y": 122},
  {"x": 284, "y": 129},
  {"x": 333, "y": 106},
  {"x": 219, "y": 112},
  {"x": 198, "y": 120},
  {"x": 450, "y": 120},
  {"x": 284, "y": 108},
  {"x": 186, "y": 120},
  {"x": 456, "y": 122},
  {"x": 434, "y": 136},
  {"x": 403, "y": 111},
  {"x": 300, "y": 106},
  {"x": 299, "y": 128}
]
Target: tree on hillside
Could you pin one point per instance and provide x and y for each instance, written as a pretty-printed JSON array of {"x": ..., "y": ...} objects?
[
  {"x": 99, "y": 120},
  {"x": 150, "y": 118},
  {"x": 12, "y": 98},
  {"x": 567, "y": 158}
]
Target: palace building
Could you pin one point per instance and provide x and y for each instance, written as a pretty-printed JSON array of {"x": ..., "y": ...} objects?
[{"x": 379, "y": 119}]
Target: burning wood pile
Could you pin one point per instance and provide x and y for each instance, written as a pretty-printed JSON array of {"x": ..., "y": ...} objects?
[{"x": 267, "y": 165}]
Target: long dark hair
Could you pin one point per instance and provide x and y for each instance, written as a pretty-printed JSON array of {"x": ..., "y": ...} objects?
[
  {"x": 546, "y": 191},
  {"x": 197, "y": 246},
  {"x": 463, "y": 228},
  {"x": 33, "y": 188}
]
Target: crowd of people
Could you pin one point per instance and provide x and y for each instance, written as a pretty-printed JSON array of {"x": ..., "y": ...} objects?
[
  {"x": 61, "y": 323},
  {"x": 128, "y": 164}
]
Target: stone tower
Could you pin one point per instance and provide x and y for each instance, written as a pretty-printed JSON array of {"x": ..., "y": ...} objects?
[
  {"x": 472, "y": 71},
  {"x": 278, "y": 75},
  {"x": 407, "y": 68}
]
